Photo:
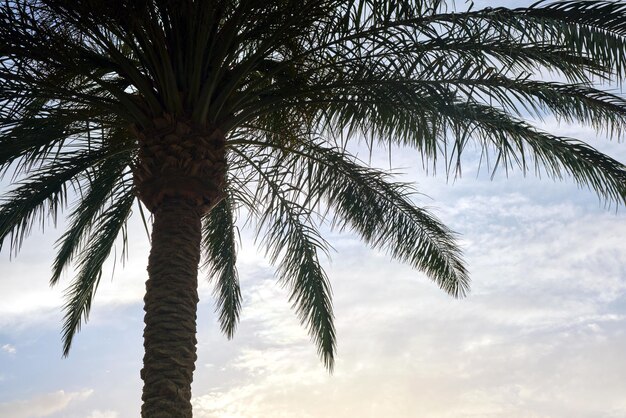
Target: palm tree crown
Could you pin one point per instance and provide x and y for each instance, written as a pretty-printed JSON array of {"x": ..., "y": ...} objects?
[{"x": 202, "y": 109}]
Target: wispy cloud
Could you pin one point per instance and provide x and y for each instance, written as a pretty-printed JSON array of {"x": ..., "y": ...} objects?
[
  {"x": 42, "y": 405},
  {"x": 9, "y": 348},
  {"x": 39, "y": 303},
  {"x": 103, "y": 414}
]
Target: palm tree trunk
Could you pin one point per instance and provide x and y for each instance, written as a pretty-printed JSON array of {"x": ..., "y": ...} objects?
[{"x": 170, "y": 305}]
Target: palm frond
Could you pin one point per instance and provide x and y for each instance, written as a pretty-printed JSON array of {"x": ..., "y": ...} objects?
[
  {"x": 42, "y": 196},
  {"x": 378, "y": 209},
  {"x": 81, "y": 292},
  {"x": 105, "y": 185},
  {"x": 517, "y": 144},
  {"x": 381, "y": 212},
  {"x": 429, "y": 115},
  {"x": 219, "y": 238},
  {"x": 293, "y": 244}
]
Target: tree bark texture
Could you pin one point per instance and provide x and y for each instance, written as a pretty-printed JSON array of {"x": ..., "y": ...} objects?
[
  {"x": 170, "y": 310},
  {"x": 179, "y": 159}
]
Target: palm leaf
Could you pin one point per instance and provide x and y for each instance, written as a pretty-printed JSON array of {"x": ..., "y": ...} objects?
[
  {"x": 368, "y": 202},
  {"x": 219, "y": 238},
  {"x": 81, "y": 292},
  {"x": 42, "y": 196},
  {"x": 293, "y": 244},
  {"x": 106, "y": 181}
]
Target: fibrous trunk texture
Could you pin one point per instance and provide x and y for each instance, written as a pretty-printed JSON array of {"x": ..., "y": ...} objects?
[
  {"x": 178, "y": 158},
  {"x": 179, "y": 175},
  {"x": 170, "y": 304}
]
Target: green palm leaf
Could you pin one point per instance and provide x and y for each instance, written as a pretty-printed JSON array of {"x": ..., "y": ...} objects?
[
  {"x": 42, "y": 196},
  {"x": 81, "y": 292},
  {"x": 220, "y": 249},
  {"x": 84, "y": 217},
  {"x": 293, "y": 245}
]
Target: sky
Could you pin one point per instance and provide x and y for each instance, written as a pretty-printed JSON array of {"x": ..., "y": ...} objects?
[{"x": 542, "y": 333}]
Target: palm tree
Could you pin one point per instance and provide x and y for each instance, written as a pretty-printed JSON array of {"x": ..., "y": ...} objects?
[{"x": 203, "y": 110}]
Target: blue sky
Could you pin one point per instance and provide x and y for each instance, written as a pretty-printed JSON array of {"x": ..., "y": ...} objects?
[{"x": 542, "y": 333}]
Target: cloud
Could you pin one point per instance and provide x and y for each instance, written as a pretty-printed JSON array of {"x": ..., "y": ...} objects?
[
  {"x": 103, "y": 414},
  {"x": 8, "y": 348},
  {"x": 34, "y": 302},
  {"x": 42, "y": 405},
  {"x": 39, "y": 303},
  {"x": 461, "y": 363}
]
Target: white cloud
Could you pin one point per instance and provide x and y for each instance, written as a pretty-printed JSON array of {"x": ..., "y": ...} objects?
[
  {"x": 103, "y": 414},
  {"x": 27, "y": 303},
  {"x": 42, "y": 405},
  {"x": 420, "y": 364},
  {"x": 9, "y": 348},
  {"x": 35, "y": 303}
]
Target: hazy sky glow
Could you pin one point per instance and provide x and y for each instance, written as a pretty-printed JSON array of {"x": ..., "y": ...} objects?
[{"x": 542, "y": 333}]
